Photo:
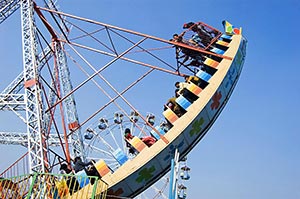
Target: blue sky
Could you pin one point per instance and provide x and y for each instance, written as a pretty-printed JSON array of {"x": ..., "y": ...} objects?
[{"x": 252, "y": 150}]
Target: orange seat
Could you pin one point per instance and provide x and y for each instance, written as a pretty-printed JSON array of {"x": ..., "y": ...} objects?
[
  {"x": 137, "y": 143},
  {"x": 170, "y": 115},
  {"x": 194, "y": 88},
  {"x": 102, "y": 168},
  {"x": 211, "y": 62},
  {"x": 223, "y": 43}
]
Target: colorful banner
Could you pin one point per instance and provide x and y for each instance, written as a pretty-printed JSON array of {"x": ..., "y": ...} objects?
[{"x": 230, "y": 29}]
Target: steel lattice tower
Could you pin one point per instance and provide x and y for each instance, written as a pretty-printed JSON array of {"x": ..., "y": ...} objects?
[{"x": 37, "y": 119}]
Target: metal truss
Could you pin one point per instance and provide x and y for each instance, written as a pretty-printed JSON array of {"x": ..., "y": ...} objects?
[
  {"x": 69, "y": 102},
  {"x": 13, "y": 102},
  {"x": 31, "y": 102},
  {"x": 18, "y": 138},
  {"x": 34, "y": 107},
  {"x": 7, "y": 8}
]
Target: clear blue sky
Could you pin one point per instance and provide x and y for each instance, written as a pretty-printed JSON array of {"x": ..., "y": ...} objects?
[{"x": 252, "y": 150}]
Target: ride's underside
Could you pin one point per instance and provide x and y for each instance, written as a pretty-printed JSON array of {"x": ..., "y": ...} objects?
[{"x": 107, "y": 76}]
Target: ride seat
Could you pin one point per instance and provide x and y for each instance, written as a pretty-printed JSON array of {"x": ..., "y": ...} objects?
[
  {"x": 137, "y": 143},
  {"x": 155, "y": 135},
  {"x": 170, "y": 115},
  {"x": 102, "y": 168},
  {"x": 222, "y": 43},
  {"x": 226, "y": 38},
  {"x": 217, "y": 51},
  {"x": 120, "y": 156},
  {"x": 193, "y": 88},
  {"x": 203, "y": 75},
  {"x": 82, "y": 178},
  {"x": 210, "y": 62},
  {"x": 183, "y": 102}
]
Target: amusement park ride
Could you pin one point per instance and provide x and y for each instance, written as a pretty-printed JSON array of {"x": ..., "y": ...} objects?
[{"x": 84, "y": 83}]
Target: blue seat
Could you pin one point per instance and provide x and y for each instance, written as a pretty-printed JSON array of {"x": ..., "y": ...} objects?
[
  {"x": 224, "y": 36},
  {"x": 217, "y": 51},
  {"x": 82, "y": 178},
  {"x": 203, "y": 75},
  {"x": 120, "y": 156},
  {"x": 183, "y": 102},
  {"x": 155, "y": 135}
]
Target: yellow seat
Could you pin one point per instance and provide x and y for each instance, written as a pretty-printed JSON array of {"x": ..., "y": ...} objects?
[
  {"x": 170, "y": 115},
  {"x": 102, "y": 168},
  {"x": 137, "y": 143},
  {"x": 194, "y": 88}
]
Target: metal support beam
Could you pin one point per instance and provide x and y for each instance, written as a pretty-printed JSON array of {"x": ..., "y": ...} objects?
[
  {"x": 33, "y": 99},
  {"x": 18, "y": 138},
  {"x": 174, "y": 175},
  {"x": 69, "y": 103},
  {"x": 13, "y": 102},
  {"x": 7, "y": 8}
]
